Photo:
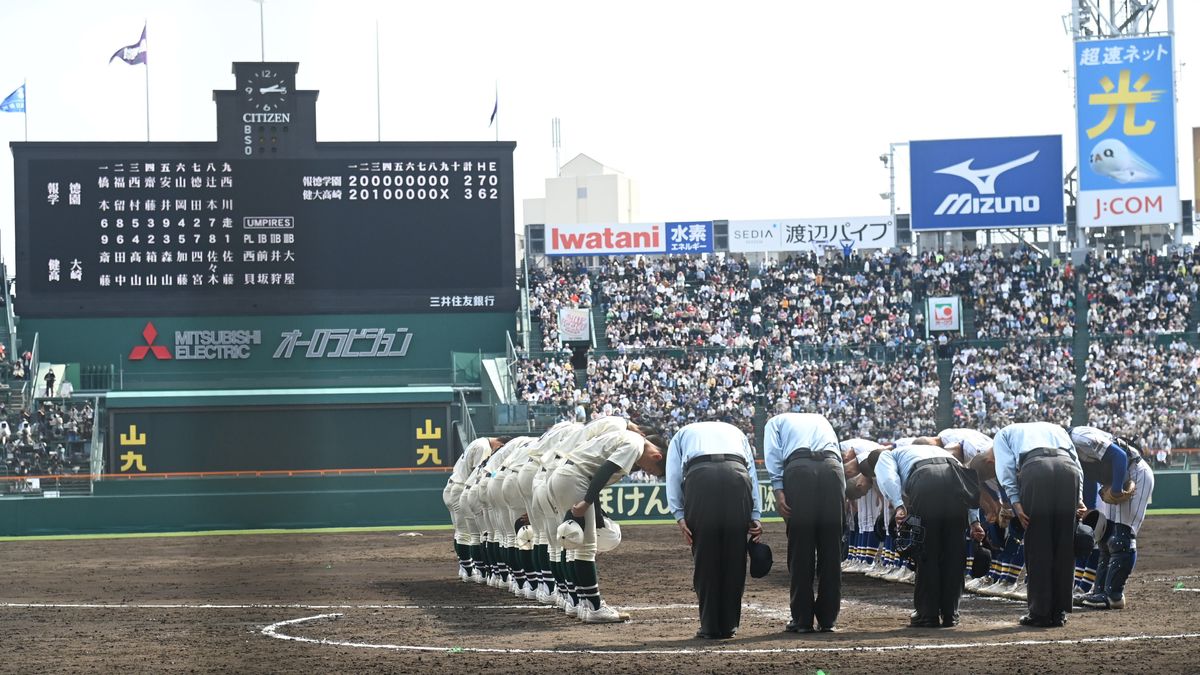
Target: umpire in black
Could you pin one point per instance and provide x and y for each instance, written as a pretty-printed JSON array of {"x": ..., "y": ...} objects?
[
  {"x": 712, "y": 490},
  {"x": 1039, "y": 471},
  {"x": 927, "y": 484},
  {"x": 804, "y": 461}
]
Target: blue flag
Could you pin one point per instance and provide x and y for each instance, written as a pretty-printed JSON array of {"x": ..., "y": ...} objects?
[
  {"x": 495, "y": 110},
  {"x": 134, "y": 53},
  {"x": 14, "y": 102}
]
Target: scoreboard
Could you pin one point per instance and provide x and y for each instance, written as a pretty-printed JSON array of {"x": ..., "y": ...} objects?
[
  {"x": 155, "y": 231},
  {"x": 132, "y": 229}
]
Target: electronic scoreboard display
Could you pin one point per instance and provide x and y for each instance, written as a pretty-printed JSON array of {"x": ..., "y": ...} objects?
[{"x": 130, "y": 229}]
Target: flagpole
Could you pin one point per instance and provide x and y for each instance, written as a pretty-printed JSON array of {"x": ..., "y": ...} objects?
[
  {"x": 25, "y": 109},
  {"x": 262, "y": 31},
  {"x": 146, "y": 62},
  {"x": 497, "y": 111},
  {"x": 378, "y": 105}
]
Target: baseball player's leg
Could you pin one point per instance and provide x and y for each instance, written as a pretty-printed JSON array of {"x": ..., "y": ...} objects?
[
  {"x": 512, "y": 509},
  {"x": 550, "y": 521},
  {"x": 587, "y": 576},
  {"x": 1123, "y": 544},
  {"x": 1133, "y": 512},
  {"x": 868, "y": 511},
  {"x": 566, "y": 487},
  {"x": 450, "y": 499},
  {"x": 531, "y": 558},
  {"x": 500, "y": 527},
  {"x": 1122, "y": 548},
  {"x": 472, "y": 537}
]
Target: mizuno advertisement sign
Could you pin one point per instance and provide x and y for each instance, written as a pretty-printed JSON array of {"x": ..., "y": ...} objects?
[
  {"x": 977, "y": 183},
  {"x": 1125, "y": 101}
]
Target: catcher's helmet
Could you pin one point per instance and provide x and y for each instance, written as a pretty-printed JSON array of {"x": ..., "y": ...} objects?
[{"x": 910, "y": 538}]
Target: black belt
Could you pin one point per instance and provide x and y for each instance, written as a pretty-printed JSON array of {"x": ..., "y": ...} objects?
[
  {"x": 1042, "y": 452},
  {"x": 932, "y": 460},
  {"x": 740, "y": 459},
  {"x": 805, "y": 453}
]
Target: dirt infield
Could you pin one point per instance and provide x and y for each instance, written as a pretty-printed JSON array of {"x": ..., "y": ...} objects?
[{"x": 384, "y": 602}]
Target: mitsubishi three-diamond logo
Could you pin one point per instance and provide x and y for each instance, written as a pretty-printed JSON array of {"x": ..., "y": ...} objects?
[{"x": 149, "y": 333}]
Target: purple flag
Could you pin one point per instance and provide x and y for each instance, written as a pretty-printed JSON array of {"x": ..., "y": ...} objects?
[{"x": 134, "y": 53}]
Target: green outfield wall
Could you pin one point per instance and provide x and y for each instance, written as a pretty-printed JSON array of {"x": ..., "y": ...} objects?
[{"x": 294, "y": 502}]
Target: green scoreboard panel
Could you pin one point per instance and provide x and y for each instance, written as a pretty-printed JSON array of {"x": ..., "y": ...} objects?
[{"x": 275, "y": 438}]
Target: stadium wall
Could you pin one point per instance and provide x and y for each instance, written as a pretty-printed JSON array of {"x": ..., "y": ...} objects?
[{"x": 201, "y": 504}]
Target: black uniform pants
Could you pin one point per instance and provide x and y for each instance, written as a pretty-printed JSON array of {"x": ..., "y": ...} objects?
[
  {"x": 717, "y": 503},
  {"x": 815, "y": 491},
  {"x": 932, "y": 495},
  {"x": 1049, "y": 488}
]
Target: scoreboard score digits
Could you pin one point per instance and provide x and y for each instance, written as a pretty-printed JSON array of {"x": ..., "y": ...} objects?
[{"x": 135, "y": 229}]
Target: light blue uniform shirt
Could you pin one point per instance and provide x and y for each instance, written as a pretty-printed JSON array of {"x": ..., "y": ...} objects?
[
  {"x": 1015, "y": 440},
  {"x": 893, "y": 469},
  {"x": 789, "y": 432},
  {"x": 707, "y": 438}
]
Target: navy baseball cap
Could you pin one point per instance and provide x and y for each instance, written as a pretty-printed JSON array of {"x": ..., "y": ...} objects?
[{"x": 760, "y": 558}]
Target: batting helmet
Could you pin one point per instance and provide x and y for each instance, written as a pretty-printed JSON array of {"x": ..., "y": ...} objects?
[
  {"x": 607, "y": 537},
  {"x": 570, "y": 534}
]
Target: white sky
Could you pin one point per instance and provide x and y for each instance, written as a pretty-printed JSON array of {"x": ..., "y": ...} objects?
[{"x": 717, "y": 110}]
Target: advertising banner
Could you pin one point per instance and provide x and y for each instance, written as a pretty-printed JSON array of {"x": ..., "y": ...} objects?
[
  {"x": 807, "y": 234},
  {"x": 1125, "y": 103},
  {"x": 980, "y": 183},
  {"x": 945, "y": 313},
  {"x": 630, "y": 238},
  {"x": 574, "y": 324}
]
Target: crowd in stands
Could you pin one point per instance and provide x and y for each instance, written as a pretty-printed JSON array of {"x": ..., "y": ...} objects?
[
  {"x": 861, "y": 398},
  {"x": 670, "y": 391},
  {"x": 52, "y": 441},
  {"x": 718, "y": 337},
  {"x": 561, "y": 285},
  {"x": 547, "y": 381},
  {"x": 1141, "y": 293},
  {"x": 1025, "y": 381},
  {"x": 674, "y": 302},
  {"x": 1147, "y": 392}
]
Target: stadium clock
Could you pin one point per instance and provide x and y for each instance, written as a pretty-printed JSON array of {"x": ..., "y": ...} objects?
[{"x": 268, "y": 89}]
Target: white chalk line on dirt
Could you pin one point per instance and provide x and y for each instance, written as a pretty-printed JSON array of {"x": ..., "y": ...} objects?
[
  {"x": 96, "y": 605},
  {"x": 273, "y": 631}
]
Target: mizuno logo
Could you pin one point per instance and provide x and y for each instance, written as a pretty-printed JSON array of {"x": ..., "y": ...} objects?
[{"x": 984, "y": 180}]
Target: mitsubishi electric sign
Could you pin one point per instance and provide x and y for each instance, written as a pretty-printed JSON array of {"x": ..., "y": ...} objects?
[
  {"x": 978, "y": 183},
  {"x": 242, "y": 344}
]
